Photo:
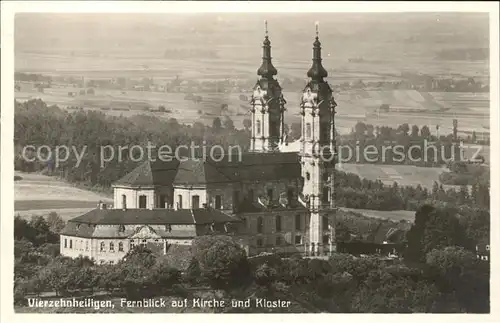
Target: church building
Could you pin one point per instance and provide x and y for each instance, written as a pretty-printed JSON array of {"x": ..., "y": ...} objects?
[{"x": 272, "y": 199}]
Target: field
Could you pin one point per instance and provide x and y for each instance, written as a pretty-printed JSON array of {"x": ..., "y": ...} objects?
[
  {"x": 391, "y": 215},
  {"x": 402, "y": 174},
  {"x": 471, "y": 110},
  {"x": 37, "y": 194}
]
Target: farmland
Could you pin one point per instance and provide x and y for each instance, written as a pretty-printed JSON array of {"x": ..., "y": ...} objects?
[
  {"x": 402, "y": 174},
  {"x": 471, "y": 110},
  {"x": 37, "y": 194}
]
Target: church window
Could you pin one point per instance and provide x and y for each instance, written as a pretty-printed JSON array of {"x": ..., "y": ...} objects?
[
  {"x": 124, "y": 201},
  {"x": 111, "y": 246},
  {"x": 326, "y": 239},
  {"x": 218, "y": 202},
  {"x": 121, "y": 228},
  {"x": 308, "y": 131},
  {"x": 120, "y": 246},
  {"x": 236, "y": 200},
  {"x": 70, "y": 244},
  {"x": 162, "y": 202},
  {"x": 179, "y": 203},
  {"x": 103, "y": 246},
  {"x": 297, "y": 222},
  {"x": 270, "y": 193},
  {"x": 260, "y": 225},
  {"x": 65, "y": 243},
  {"x": 250, "y": 195},
  {"x": 326, "y": 195},
  {"x": 142, "y": 201},
  {"x": 258, "y": 127},
  {"x": 298, "y": 239},
  {"x": 325, "y": 222},
  {"x": 289, "y": 195},
  {"x": 278, "y": 223},
  {"x": 195, "y": 201}
]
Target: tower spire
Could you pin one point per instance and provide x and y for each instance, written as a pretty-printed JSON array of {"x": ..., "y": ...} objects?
[
  {"x": 266, "y": 70},
  {"x": 317, "y": 72}
]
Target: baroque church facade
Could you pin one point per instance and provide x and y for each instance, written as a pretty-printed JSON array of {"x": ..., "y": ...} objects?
[{"x": 270, "y": 198}]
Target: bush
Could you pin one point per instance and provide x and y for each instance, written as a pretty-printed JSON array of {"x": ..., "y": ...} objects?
[{"x": 221, "y": 261}]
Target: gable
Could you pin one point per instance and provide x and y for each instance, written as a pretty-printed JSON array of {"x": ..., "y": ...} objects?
[{"x": 145, "y": 232}]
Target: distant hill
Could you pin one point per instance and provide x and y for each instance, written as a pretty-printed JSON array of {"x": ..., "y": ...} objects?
[{"x": 464, "y": 54}]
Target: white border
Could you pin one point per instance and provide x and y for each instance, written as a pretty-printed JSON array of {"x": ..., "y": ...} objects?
[{"x": 8, "y": 9}]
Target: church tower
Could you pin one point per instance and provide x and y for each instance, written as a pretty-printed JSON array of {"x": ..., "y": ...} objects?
[
  {"x": 318, "y": 154},
  {"x": 268, "y": 106}
]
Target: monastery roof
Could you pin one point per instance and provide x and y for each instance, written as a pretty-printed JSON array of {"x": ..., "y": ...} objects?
[
  {"x": 155, "y": 216},
  {"x": 231, "y": 168},
  {"x": 101, "y": 223}
]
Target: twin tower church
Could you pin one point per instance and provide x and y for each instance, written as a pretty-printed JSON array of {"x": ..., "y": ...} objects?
[{"x": 270, "y": 200}]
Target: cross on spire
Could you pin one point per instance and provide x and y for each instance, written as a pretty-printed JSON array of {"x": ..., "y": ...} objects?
[
  {"x": 265, "y": 23},
  {"x": 317, "y": 28}
]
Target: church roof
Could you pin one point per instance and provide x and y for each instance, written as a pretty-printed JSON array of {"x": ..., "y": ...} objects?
[
  {"x": 150, "y": 173},
  {"x": 232, "y": 168}
]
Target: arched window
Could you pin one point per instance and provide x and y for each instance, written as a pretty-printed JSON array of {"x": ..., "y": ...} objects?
[
  {"x": 297, "y": 222},
  {"x": 121, "y": 228},
  {"x": 260, "y": 225},
  {"x": 142, "y": 201},
  {"x": 120, "y": 246},
  {"x": 70, "y": 244},
  {"x": 124, "y": 201},
  {"x": 325, "y": 222},
  {"x": 103, "y": 246},
  {"x": 278, "y": 223},
  {"x": 257, "y": 123},
  {"x": 308, "y": 131},
  {"x": 111, "y": 246},
  {"x": 325, "y": 197}
]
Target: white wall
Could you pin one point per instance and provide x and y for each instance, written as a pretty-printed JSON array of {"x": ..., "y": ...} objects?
[
  {"x": 132, "y": 195},
  {"x": 187, "y": 194}
]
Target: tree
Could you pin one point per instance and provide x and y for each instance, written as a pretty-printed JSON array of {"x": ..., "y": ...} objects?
[
  {"x": 56, "y": 223},
  {"x": 459, "y": 272},
  {"x": 224, "y": 107},
  {"x": 404, "y": 128},
  {"x": 265, "y": 275},
  {"x": 217, "y": 124},
  {"x": 228, "y": 123},
  {"x": 247, "y": 123},
  {"x": 414, "y": 131},
  {"x": 425, "y": 132},
  {"x": 221, "y": 261}
]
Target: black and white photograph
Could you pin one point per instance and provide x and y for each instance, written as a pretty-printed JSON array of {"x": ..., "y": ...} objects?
[{"x": 292, "y": 160}]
